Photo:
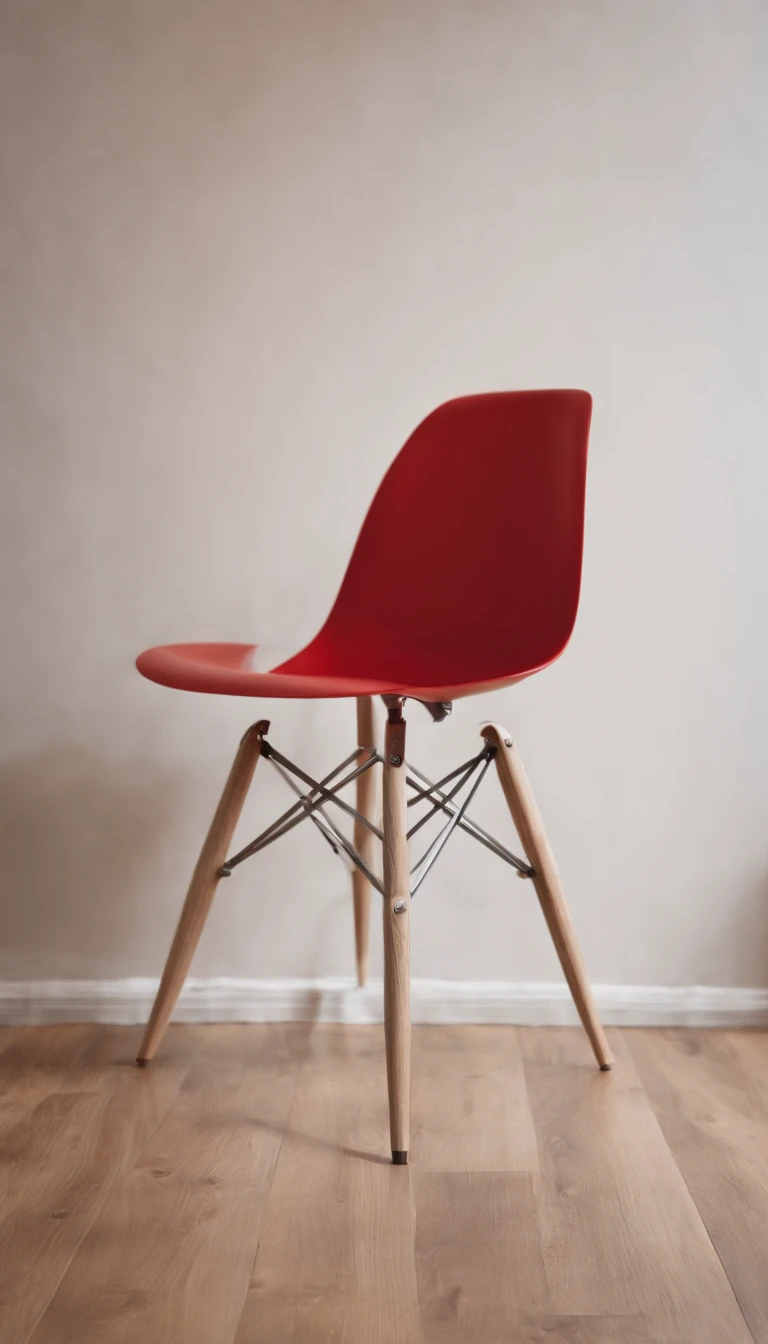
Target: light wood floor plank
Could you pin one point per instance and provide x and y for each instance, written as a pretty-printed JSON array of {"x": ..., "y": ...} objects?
[
  {"x": 479, "y": 1264},
  {"x": 37, "y": 1062},
  {"x": 708, "y": 1091},
  {"x": 83, "y": 1116},
  {"x": 7, "y": 1035},
  {"x": 469, "y": 1107},
  {"x": 751, "y": 1049},
  {"x": 544, "y": 1202},
  {"x": 620, "y": 1233},
  {"x": 335, "y": 1260},
  {"x": 170, "y": 1254}
]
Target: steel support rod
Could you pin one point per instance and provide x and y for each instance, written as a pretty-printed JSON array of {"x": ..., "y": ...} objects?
[
  {"x": 421, "y": 869},
  {"x": 324, "y": 830},
  {"x": 312, "y": 805},
  {"x": 329, "y": 795},
  {"x": 304, "y": 808},
  {"x": 470, "y": 826},
  {"x": 469, "y": 769}
]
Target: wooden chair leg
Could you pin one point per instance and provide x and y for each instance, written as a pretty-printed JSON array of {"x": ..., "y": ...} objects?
[
  {"x": 201, "y": 891},
  {"x": 530, "y": 828},
  {"x": 397, "y": 942},
  {"x": 363, "y": 838}
]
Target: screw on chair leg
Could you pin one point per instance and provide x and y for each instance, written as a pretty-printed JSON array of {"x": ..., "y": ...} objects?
[
  {"x": 397, "y": 970},
  {"x": 205, "y": 880},
  {"x": 364, "y": 839},
  {"x": 546, "y": 880}
]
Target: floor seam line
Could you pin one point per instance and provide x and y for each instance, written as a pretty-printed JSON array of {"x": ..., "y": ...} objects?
[
  {"x": 268, "y": 1196},
  {"x": 109, "y": 1187},
  {"x": 678, "y": 1168}
]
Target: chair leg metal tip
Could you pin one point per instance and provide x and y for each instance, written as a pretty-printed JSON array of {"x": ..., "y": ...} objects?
[
  {"x": 400, "y": 1157},
  {"x": 141, "y": 1063},
  {"x": 606, "y": 1068}
]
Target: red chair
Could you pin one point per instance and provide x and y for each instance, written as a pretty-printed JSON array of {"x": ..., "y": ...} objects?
[{"x": 465, "y": 577}]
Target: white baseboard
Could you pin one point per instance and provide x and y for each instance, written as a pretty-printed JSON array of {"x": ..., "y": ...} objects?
[{"x": 128, "y": 1002}]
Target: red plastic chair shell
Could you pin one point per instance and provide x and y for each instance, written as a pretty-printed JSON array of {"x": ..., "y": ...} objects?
[{"x": 466, "y": 572}]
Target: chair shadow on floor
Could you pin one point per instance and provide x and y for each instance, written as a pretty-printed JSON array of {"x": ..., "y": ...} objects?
[{"x": 316, "y": 1141}]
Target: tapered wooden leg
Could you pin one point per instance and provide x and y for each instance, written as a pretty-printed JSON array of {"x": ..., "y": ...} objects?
[
  {"x": 530, "y": 828},
  {"x": 397, "y": 939},
  {"x": 201, "y": 891},
  {"x": 365, "y": 840}
]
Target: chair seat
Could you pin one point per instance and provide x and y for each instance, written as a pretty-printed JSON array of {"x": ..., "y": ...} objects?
[
  {"x": 465, "y": 575},
  {"x": 226, "y": 669}
]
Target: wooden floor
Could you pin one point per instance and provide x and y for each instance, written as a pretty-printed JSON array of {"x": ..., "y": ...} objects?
[{"x": 239, "y": 1190}]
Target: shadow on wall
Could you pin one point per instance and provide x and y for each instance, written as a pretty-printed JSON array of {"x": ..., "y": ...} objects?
[
  {"x": 97, "y": 854},
  {"x": 739, "y": 930},
  {"x": 79, "y": 835}
]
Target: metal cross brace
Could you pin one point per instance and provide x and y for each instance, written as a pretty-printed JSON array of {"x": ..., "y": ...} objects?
[{"x": 312, "y": 804}]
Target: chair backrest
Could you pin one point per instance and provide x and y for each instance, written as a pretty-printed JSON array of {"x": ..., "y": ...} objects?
[{"x": 468, "y": 565}]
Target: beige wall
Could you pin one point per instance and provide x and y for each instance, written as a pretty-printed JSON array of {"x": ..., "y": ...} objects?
[{"x": 246, "y": 246}]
